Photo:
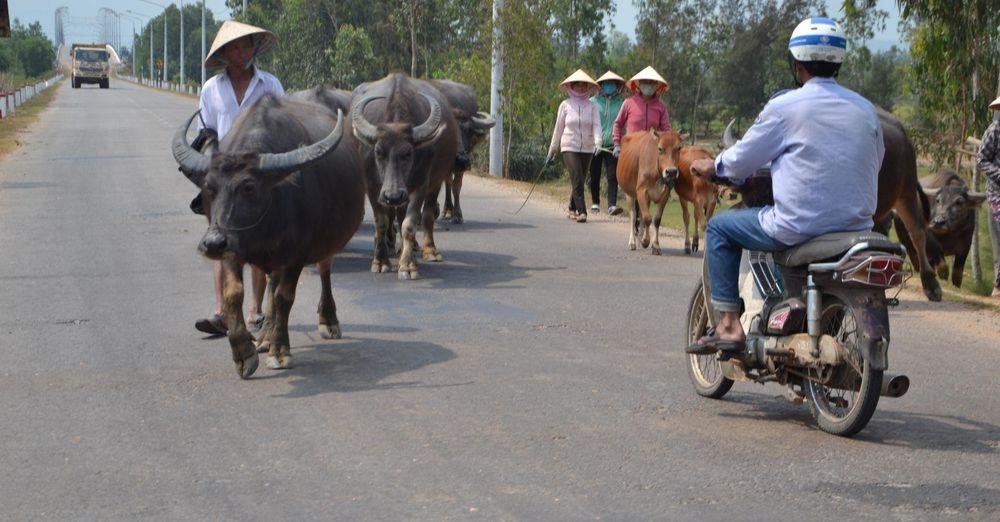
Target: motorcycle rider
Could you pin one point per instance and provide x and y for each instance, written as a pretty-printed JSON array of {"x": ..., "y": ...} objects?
[{"x": 825, "y": 146}]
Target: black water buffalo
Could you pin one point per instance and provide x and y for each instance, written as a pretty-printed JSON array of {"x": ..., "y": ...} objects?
[
  {"x": 952, "y": 220},
  {"x": 279, "y": 194},
  {"x": 473, "y": 127},
  {"x": 410, "y": 139}
]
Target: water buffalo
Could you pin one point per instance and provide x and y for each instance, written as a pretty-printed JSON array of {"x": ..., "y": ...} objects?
[
  {"x": 646, "y": 157},
  {"x": 473, "y": 126},
  {"x": 952, "y": 221},
  {"x": 328, "y": 96},
  {"x": 278, "y": 204},
  {"x": 410, "y": 140}
]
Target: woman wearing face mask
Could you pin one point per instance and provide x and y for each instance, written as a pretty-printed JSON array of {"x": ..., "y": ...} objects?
[
  {"x": 644, "y": 110},
  {"x": 609, "y": 103},
  {"x": 577, "y": 135}
]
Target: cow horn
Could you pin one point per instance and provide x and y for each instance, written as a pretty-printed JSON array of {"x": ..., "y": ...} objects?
[
  {"x": 483, "y": 120},
  {"x": 296, "y": 159},
  {"x": 727, "y": 137},
  {"x": 431, "y": 128},
  {"x": 193, "y": 163},
  {"x": 363, "y": 129}
]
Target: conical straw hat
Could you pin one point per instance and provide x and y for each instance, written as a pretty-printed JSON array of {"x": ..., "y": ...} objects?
[
  {"x": 231, "y": 31},
  {"x": 578, "y": 76},
  {"x": 995, "y": 104},
  {"x": 611, "y": 77},
  {"x": 649, "y": 74}
]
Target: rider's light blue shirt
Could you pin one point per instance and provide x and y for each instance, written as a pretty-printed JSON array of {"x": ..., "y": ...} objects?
[{"x": 825, "y": 146}]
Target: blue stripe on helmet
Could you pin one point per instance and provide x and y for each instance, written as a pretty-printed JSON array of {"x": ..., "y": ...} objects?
[
  {"x": 821, "y": 20},
  {"x": 818, "y": 39}
]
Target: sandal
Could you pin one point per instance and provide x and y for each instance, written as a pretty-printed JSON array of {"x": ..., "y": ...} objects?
[
  {"x": 711, "y": 343},
  {"x": 214, "y": 326}
]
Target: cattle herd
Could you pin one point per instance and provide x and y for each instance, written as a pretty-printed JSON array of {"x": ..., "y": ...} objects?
[{"x": 285, "y": 188}]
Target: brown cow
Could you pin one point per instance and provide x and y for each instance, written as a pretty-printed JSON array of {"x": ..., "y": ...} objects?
[
  {"x": 646, "y": 158},
  {"x": 699, "y": 193}
]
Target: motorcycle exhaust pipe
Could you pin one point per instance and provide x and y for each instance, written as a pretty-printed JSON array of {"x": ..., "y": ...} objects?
[{"x": 894, "y": 386}]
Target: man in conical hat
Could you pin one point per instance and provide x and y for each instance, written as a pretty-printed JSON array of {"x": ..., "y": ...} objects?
[
  {"x": 988, "y": 162},
  {"x": 644, "y": 110},
  {"x": 240, "y": 84},
  {"x": 609, "y": 101},
  {"x": 577, "y": 134}
]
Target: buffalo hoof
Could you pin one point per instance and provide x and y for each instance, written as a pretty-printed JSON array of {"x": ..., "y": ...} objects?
[
  {"x": 329, "y": 331},
  {"x": 431, "y": 254},
  {"x": 457, "y": 219},
  {"x": 281, "y": 362},
  {"x": 931, "y": 287},
  {"x": 446, "y": 214},
  {"x": 655, "y": 251},
  {"x": 408, "y": 275},
  {"x": 263, "y": 346},
  {"x": 245, "y": 368},
  {"x": 379, "y": 267},
  {"x": 942, "y": 271}
]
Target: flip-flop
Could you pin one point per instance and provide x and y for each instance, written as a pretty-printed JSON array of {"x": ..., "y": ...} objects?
[{"x": 711, "y": 343}]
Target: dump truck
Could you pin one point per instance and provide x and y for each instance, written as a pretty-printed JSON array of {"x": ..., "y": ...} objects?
[{"x": 90, "y": 65}]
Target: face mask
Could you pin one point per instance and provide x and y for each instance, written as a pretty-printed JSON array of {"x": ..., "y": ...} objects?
[
  {"x": 609, "y": 89},
  {"x": 647, "y": 90}
]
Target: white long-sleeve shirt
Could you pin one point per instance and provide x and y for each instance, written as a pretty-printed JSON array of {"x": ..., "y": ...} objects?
[
  {"x": 218, "y": 105},
  {"x": 825, "y": 146},
  {"x": 578, "y": 127}
]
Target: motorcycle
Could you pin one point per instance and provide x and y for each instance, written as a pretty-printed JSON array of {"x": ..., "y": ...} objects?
[{"x": 817, "y": 322}]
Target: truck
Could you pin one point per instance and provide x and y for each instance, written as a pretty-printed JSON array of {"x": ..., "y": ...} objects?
[{"x": 90, "y": 65}]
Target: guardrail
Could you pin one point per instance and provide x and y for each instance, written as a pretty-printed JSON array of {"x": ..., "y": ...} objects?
[
  {"x": 193, "y": 90},
  {"x": 10, "y": 101}
]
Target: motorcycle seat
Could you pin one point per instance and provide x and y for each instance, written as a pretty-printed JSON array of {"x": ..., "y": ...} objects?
[{"x": 831, "y": 246}]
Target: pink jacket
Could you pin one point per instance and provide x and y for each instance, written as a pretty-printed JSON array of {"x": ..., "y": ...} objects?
[
  {"x": 578, "y": 127},
  {"x": 639, "y": 114}
]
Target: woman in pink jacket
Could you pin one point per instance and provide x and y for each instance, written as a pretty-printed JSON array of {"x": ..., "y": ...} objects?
[
  {"x": 643, "y": 110},
  {"x": 577, "y": 135}
]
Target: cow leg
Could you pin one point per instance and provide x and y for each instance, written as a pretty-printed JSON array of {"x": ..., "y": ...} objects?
[
  {"x": 383, "y": 224},
  {"x": 709, "y": 212},
  {"x": 456, "y": 187},
  {"x": 633, "y": 223},
  {"x": 279, "y": 355},
  {"x": 240, "y": 340},
  {"x": 687, "y": 220},
  {"x": 643, "y": 198},
  {"x": 911, "y": 215},
  {"x": 700, "y": 219},
  {"x": 408, "y": 233},
  {"x": 430, "y": 251},
  {"x": 329, "y": 326},
  {"x": 655, "y": 250},
  {"x": 448, "y": 205}
]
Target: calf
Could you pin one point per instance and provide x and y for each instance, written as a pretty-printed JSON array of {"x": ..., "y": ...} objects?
[
  {"x": 696, "y": 191},
  {"x": 647, "y": 161},
  {"x": 952, "y": 221}
]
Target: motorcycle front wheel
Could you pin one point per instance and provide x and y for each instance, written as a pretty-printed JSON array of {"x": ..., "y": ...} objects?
[
  {"x": 845, "y": 408},
  {"x": 705, "y": 370}
]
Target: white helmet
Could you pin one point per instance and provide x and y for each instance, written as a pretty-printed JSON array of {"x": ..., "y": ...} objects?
[{"x": 818, "y": 40}]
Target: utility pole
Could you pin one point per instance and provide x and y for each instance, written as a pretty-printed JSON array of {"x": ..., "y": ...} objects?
[
  {"x": 182, "y": 42},
  {"x": 202, "y": 43},
  {"x": 496, "y": 77}
]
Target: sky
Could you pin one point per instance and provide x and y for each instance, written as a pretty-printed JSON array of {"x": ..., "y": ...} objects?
[{"x": 83, "y": 15}]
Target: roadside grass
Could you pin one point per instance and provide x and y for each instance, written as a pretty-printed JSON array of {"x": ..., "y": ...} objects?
[{"x": 27, "y": 114}]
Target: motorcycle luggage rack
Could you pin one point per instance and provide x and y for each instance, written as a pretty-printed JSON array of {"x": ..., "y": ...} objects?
[{"x": 842, "y": 263}]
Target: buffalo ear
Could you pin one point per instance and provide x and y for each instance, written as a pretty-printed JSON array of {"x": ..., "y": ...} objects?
[
  {"x": 976, "y": 199},
  {"x": 198, "y": 178}
]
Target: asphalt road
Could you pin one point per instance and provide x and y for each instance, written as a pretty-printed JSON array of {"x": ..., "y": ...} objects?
[{"x": 536, "y": 373}]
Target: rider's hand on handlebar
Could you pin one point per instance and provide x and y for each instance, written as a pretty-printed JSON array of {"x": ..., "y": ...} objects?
[{"x": 703, "y": 168}]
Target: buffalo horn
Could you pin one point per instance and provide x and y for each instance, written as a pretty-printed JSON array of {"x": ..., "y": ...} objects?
[
  {"x": 483, "y": 120},
  {"x": 190, "y": 160},
  {"x": 296, "y": 159},
  {"x": 428, "y": 130},
  {"x": 363, "y": 129},
  {"x": 727, "y": 137},
  {"x": 931, "y": 192}
]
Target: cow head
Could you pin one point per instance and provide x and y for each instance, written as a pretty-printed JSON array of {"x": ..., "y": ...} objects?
[
  {"x": 952, "y": 207},
  {"x": 668, "y": 152},
  {"x": 237, "y": 187},
  {"x": 395, "y": 146},
  {"x": 472, "y": 130}
]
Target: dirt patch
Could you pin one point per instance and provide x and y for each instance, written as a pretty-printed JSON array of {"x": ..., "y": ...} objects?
[{"x": 26, "y": 115}]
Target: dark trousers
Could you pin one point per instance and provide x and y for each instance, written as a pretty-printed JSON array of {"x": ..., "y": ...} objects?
[
  {"x": 577, "y": 163},
  {"x": 610, "y": 164}
]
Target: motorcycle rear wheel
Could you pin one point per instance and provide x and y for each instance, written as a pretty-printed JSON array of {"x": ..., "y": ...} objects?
[
  {"x": 844, "y": 411},
  {"x": 705, "y": 371}
]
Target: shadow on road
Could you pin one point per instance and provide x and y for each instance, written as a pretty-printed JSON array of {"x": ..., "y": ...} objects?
[
  {"x": 951, "y": 496},
  {"x": 361, "y": 364},
  {"x": 891, "y": 428}
]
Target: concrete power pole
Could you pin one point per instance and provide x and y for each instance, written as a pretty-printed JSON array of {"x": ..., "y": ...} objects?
[
  {"x": 202, "y": 43},
  {"x": 182, "y": 44},
  {"x": 496, "y": 83}
]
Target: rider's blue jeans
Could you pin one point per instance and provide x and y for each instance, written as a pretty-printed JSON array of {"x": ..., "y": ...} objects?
[{"x": 727, "y": 235}]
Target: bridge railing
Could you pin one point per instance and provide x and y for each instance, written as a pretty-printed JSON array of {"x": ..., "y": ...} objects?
[
  {"x": 17, "y": 96},
  {"x": 193, "y": 90}
]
